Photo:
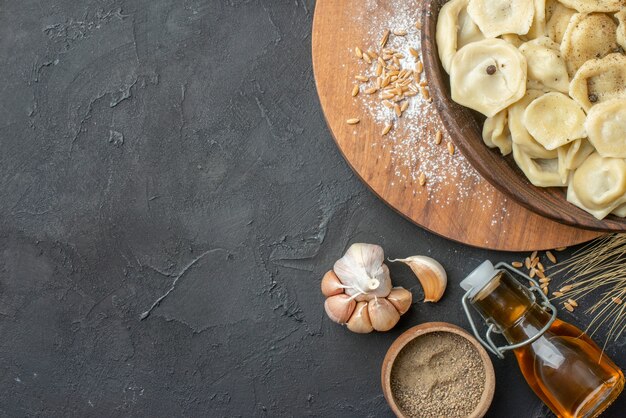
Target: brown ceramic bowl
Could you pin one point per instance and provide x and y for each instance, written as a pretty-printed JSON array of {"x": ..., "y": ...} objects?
[
  {"x": 427, "y": 328},
  {"x": 465, "y": 129}
]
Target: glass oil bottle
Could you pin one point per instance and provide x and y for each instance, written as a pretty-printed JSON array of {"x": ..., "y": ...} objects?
[{"x": 562, "y": 365}]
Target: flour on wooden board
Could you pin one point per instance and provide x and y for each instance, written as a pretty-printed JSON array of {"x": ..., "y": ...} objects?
[{"x": 411, "y": 142}]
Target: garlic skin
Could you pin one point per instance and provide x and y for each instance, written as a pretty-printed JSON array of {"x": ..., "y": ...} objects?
[
  {"x": 401, "y": 299},
  {"x": 369, "y": 296},
  {"x": 339, "y": 308},
  {"x": 430, "y": 273},
  {"x": 331, "y": 285},
  {"x": 360, "y": 322},
  {"x": 362, "y": 271},
  {"x": 383, "y": 314}
]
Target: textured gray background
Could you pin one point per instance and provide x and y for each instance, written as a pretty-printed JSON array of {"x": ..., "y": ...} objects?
[{"x": 177, "y": 148}]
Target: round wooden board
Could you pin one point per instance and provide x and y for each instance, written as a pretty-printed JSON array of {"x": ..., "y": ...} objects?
[{"x": 455, "y": 201}]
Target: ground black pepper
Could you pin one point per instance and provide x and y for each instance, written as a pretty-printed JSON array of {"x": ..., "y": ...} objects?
[{"x": 438, "y": 375}]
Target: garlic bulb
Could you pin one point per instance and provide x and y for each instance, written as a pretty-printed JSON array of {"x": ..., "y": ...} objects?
[
  {"x": 431, "y": 275},
  {"x": 383, "y": 314},
  {"x": 362, "y": 272},
  {"x": 360, "y": 320},
  {"x": 331, "y": 285},
  {"x": 401, "y": 299},
  {"x": 339, "y": 308},
  {"x": 359, "y": 291}
]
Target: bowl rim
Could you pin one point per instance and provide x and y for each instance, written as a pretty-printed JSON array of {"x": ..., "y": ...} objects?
[
  {"x": 460, "y": 123},
  {"x": 428, "y": 328}
]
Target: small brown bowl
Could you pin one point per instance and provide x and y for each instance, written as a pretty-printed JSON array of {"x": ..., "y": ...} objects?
[
  {"x": 465, "y": 129},
  {"x": 427, "y": 328}
]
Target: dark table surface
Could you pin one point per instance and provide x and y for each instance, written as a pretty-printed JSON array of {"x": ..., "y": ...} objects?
[{"x": 170, "y": 199}]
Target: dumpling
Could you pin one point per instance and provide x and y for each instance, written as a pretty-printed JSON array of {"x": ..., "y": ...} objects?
[
  {"x": 468, "y": 30},
  {"x": 540, "y": 172},
  {"x": 554, "y": 120},
  {"x": 606, "y": 127},
  {"x": 598, "y": 185},
  {"x": 558, "y": 20},
  {"x": 488, "y": 76},
  {"x": 519, "y": 133},
  {"x": 599, "y": 80},
  {"x": 577, "y": 152},
  {"x": 562, "y": 167},
  {"x": 496, "y": 17},
  {"x": 620, "y": 211},
  {"x": 572, "y": 155},
  {"x": 588, "y": 6},
  {"x": 513, "y": 39},
  {"x": 587, "y": 36},
  {"x": 546, "y": 68},
  {"x": 621, "y": 28},
  {"x": 455, "y": 29},
  {"x": 538, "y": 27},
  {"x": 496, "y": 132}
]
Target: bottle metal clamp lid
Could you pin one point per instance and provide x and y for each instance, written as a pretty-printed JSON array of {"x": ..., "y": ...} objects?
[{"x": 477, "y": 280}]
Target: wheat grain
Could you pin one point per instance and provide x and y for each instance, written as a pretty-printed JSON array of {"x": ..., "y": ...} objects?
[
  {"x": 385, "y": 38},
  {"x": 398, "y": 110},
  {"x": 438, "y": 138}
]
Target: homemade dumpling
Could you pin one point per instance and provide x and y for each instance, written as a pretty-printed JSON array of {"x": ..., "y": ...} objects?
[
  {"x": 488, "y": 76},
  {"x": 562, "y": 168},
  {"x": 587, "y": 36},
  {"x": 606, "y": 127},
  {"x": 621, "y": 28},
  {"x": 546, "y": 68},
  {"x": 540, "y": 172},
  {"x": 513, "y": 39},
  {"x": 554, "y": 120},
  {"x": 588, "y": 6},
  {"x": 455, "y": 29},
  {"x": 519, "y": 133},
  {"x": 538, "y": 27},
  {"x": 620, "y": 211},
  {"x": 496, "y": 17},
  {"x": 572, "y": 155},
  {"x": 598, "y": 185},
  {"x": 558, "y": 20},
  {"x": 468, "y": 30},
  {"x": 600, "y": 80},
  {"x": 496, "y": 132},
  {"x": 577, "y": 153}
]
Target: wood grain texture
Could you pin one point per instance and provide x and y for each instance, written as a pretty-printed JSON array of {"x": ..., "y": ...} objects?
[
  {"x": 474, "y": 213},
  {"x": 465, "y": 128}
]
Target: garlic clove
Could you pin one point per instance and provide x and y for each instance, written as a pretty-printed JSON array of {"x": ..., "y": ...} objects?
[
  {"x": 431, "y": 275},
  {"x": 360, "y": 320},
  {"x": 339, "y": 308},
  {"x": 331, "y": 285},
  {"x": 362, "y": 271},
  {"x": 383, "y": 314},
  {"x": 401, "y": 299}
]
